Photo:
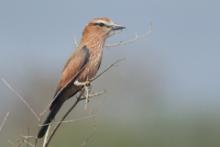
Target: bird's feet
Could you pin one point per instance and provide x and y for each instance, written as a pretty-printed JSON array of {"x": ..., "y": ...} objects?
[
  {"x": 86, "y": 92},
  {"x": 87, "y": 88},
  {"x": 85, "y": 83}
]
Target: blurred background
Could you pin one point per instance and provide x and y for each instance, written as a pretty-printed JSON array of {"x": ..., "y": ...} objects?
[{"x": 165, "y": 94}]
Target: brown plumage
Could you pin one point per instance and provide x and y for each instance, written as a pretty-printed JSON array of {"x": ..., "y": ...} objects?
[{"x": 82, "y": 65}]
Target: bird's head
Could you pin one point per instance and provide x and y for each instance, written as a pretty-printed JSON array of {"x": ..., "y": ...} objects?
[{"x": 101, "y": 27}]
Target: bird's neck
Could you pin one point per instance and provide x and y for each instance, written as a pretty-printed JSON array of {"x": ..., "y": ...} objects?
[{"x": 93, "y": 41}]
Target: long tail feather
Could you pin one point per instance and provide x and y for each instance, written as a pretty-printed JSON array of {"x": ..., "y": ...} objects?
[{"x": 48, "y": 120}]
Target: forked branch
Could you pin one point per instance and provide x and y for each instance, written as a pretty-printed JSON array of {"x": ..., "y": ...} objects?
[{"x": 81, "y": 97}]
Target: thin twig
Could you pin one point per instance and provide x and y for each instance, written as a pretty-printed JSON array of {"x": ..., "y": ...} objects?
[
  {"x": 27, "y": 139},
  {"x": 136, "y": 37},
  {"x": 46, "y": 108},
  {"x": 21, "y": 98},
  {"x": 63, "y": 118},
  {"x": 46, "y": 136},
  {"x": 70, "y": 121},
  {"x": 109, "y": 67},
  {"x": 94, "y": 94},
  {"x": 79, "y": 98},
  {"x": 4, "y": 121},
  {"x": 78, "y": 119},
  {"x": 28, "y": 143}
]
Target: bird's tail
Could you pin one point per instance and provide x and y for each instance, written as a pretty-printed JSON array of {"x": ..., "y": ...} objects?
[{"x": 50, "y": 117}]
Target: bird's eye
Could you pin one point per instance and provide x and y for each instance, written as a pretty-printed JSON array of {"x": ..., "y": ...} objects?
[{"x": 100, "y": 24}]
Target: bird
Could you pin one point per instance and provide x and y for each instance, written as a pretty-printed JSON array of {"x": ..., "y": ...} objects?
[{"x": 82, "y": 65}]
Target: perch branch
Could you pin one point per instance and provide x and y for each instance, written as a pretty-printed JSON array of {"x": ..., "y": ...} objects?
[
  {"x": 46, "y": 136},
  {"x": 63, "y": 118},
  {"x": 79, "y": 98}
]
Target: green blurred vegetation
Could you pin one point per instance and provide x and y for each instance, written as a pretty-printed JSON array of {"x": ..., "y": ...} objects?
[
  {"x": 127, "y": 115},
  {"x": 162, "y": 132}
]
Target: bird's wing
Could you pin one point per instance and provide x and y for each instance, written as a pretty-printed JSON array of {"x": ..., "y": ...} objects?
[{"x": 72, "y": 69}]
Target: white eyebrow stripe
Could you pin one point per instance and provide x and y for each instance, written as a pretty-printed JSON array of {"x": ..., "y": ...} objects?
[{"x": 105, "y": 22}]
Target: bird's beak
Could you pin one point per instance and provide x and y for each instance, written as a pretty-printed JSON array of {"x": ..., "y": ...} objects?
[{"x": 117, "y": 27}]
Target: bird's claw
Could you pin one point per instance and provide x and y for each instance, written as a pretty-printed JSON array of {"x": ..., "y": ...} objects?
[{"x": 86, "y": 84}]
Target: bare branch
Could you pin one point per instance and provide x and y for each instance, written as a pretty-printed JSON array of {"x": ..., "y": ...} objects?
[
  {"x": 109, "y": 67},
  {"x": 46, "y": 108},
  {"x": 135, "y": 38},
  {"x": 79, "y": 119},
  {"x": 63, "y": 118},
  {"x": 93, "y": 95},
  {"x": 70, "y": 121},
  {"x": 46, "y": 136},
  {"x": 4, "y": 121},
  {"x": 28, "y": 143},
  {"x": 21, "y": 98},
  {"x": 79, "y": 98}
]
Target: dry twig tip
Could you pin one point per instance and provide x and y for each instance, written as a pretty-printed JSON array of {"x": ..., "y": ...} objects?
[
  {"x": 4, "y": 121},
  {"x": 21, "y": 98}
]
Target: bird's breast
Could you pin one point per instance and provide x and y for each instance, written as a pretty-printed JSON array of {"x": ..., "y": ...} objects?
[{"x": 92, "y": 66}]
